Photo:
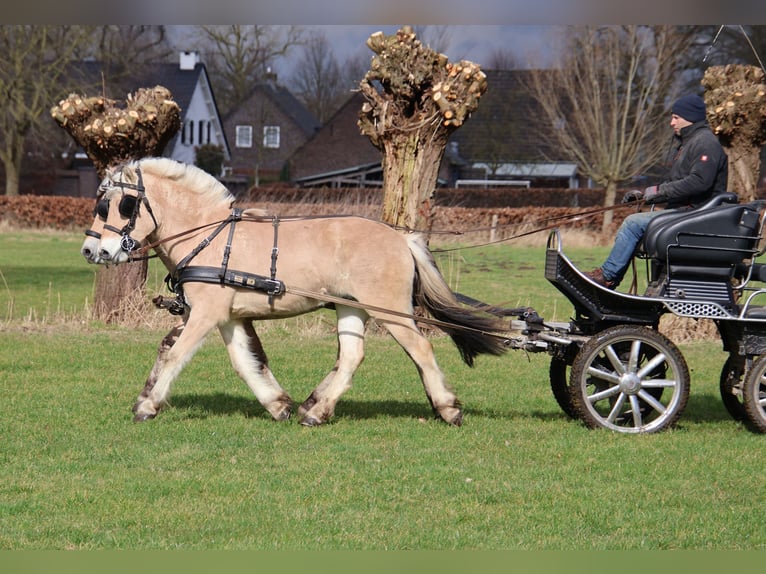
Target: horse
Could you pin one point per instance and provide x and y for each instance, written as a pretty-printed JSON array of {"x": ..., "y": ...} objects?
[{"x": 245, "y": 265}]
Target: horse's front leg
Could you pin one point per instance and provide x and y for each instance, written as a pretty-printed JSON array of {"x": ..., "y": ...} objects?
[
  {"x": 171, "y": 360},
  {"x": 250, "y": 362},
  {"x": 167, "y": 342}
]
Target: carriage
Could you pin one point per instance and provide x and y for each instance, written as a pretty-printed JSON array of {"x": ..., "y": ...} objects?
[
  {"x": 612, "y": 368},
  {"x": 610, "y": 365}
]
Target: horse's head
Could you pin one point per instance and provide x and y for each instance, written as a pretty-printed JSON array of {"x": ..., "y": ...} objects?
[{"x": 124, "y": 215}]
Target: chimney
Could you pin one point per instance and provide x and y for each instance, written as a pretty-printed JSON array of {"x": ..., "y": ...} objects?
[{"x": 188, "y": 60}]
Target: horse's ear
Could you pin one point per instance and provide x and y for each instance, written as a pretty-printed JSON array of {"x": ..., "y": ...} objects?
[{"x": 129, "y": 173}]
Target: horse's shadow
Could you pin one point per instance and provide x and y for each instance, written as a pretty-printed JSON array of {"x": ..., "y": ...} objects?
[{"x": 223, "y": 404}]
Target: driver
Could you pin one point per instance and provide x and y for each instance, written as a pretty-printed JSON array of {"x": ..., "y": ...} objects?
[{"x": 698, "y": 171}]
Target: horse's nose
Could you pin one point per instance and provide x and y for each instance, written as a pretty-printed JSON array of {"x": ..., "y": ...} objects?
[
  {"x": 86, "y": 252},
  {"x": 105, "y": 255}
]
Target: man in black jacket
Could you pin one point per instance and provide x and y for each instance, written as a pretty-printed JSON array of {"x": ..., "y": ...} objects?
[{"x": 699, "y": 171}]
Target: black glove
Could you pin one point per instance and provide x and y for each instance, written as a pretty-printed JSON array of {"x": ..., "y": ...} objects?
[{"x": 633, "y": 195}]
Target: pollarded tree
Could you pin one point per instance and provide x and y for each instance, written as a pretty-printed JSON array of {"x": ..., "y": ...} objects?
[
  {"x": 735, "y": 98},
  {"x": 415, "y": 98},
  {"x": 605, "y": 105}
]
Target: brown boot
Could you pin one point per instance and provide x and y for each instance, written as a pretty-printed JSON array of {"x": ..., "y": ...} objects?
[{"x": 597, "y": 276}]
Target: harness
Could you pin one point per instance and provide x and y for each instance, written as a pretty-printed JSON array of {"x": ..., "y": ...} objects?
[{"x": 222, "y": 275}]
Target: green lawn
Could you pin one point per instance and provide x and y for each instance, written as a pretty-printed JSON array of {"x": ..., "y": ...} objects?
[{"x": 213, "y": 471}]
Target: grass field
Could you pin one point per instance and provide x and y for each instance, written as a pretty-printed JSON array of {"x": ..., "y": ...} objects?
[{"x": 213, "y": 471}]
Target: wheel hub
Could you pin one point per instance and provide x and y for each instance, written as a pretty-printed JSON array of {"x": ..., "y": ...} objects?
[{"x": 630, "y": 383}]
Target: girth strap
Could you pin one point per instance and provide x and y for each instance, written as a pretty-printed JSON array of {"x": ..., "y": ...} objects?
[{"x": 232, "y": 278}]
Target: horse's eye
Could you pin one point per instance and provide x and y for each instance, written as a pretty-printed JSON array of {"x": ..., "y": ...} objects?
[{"x": 127, "y": 206}]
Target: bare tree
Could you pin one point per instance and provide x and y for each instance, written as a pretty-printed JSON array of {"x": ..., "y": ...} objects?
[
  {"x": 318, "y": 78},
  {"x": 605, "y": 106},
  {"x": 127, "y": 45},
  {"x": 34, "y": 59},
  {"x": 238, "y": 57}
]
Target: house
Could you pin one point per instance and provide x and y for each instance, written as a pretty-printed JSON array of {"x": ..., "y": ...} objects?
[
  {"x": 265, "y": 130},
  {"x": 496, "y": 146},
  {"x": 187, "y": 81},
  {"x": 338, "y": 155}
]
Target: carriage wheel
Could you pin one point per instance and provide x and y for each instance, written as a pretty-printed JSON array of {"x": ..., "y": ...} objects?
[
  {"x": 754, "y": 396},
  {"x": 629, "y": 379},
  {"x": 731, "y": 388},
  {"x": 559, "y": 376}
]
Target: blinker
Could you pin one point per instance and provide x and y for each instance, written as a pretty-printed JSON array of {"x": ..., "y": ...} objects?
[{"x": 126, "y": 207}]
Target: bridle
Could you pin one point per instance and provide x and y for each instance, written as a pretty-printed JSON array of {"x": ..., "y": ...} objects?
[{"x": 129, "y": 207}]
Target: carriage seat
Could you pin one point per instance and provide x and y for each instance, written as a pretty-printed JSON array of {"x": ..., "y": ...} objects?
[{"x": 708, "y": 240}]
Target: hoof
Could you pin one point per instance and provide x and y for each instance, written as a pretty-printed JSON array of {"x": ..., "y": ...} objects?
[
  {"x": 310, "y": 421},
  {"x": 452, "y": 416},
  {"x": 457, "y": 420},
  {"x": 283, "y": 415},
  {"x": 306, "y": 406},
  {"x": 143, "y": 417}
]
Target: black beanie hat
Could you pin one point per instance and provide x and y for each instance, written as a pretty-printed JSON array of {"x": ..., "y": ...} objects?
[{"x": 691, "y": 108}]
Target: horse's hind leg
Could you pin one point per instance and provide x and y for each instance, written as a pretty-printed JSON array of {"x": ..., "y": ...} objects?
[
  {"x": 443, "y": 401},
  {"x": 320, "y": 406},
  {"x": 250, "y": 361}
]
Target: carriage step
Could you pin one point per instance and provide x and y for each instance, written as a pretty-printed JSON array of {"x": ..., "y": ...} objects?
[{"x": 718, "y": 291}]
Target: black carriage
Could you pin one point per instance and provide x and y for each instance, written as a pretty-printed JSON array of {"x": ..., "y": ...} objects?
[{"x": 610, "y": 365}]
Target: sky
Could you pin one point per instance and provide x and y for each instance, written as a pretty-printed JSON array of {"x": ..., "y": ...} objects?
[
  {"x": 533, "y": 45},
  {"x": 474, "y": 42}
]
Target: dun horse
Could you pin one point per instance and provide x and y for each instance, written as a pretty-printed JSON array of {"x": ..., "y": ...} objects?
[{"x": 244, "y": 266}]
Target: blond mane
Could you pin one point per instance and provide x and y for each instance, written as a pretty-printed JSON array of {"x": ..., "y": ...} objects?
[{"x": 190, "y": 177}]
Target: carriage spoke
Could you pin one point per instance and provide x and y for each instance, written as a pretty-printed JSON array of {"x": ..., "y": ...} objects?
[
  {"x": 659, "y": 383},
  {"x": 614, "y": 358},
  {"x": 636, "y": 408},
  {"x": 605, "y": 394},
  {"x": 635, "y": 351},
  {"x": 655, "y": 362},
  {"x": 603, "y": 375},
  {"x": 651, "y": 401},
  {"x": 616, "y": 409}
]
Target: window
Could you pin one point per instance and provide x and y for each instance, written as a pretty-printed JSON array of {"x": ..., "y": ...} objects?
[
  {"x": 271, "y": 136},
  {"x": 191, "y": 132},
  {"x": 244, "y": 136}
]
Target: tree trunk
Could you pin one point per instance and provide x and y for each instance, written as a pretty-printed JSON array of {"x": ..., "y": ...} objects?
[
  {"x": 744, "y": 166},
  {"x": 119, "y": 291},
  {"x": 609, "y": 200},
  {"x": 410, "y": 170},
  {"x": 12, "y": 178},
  {"x": 12, "y": 161}
]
